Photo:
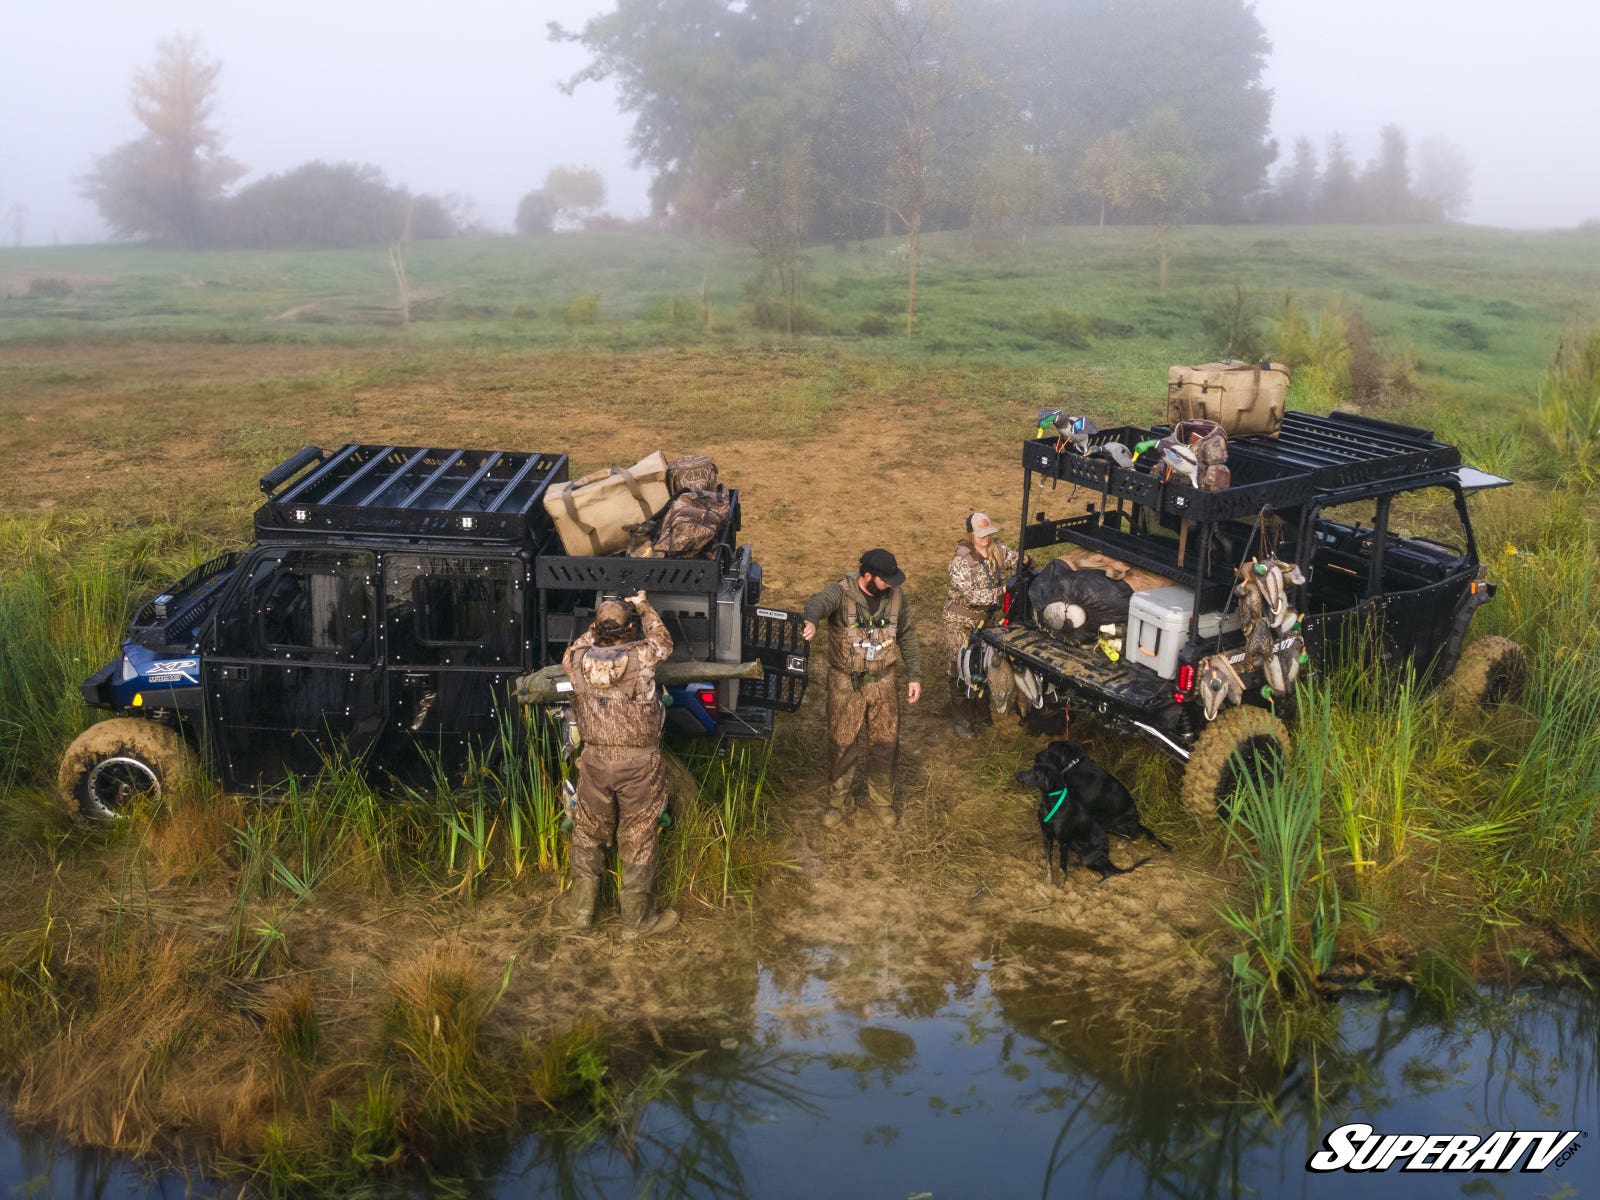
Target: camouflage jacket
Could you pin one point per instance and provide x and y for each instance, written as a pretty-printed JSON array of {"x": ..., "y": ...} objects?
[
  {"x": 977, "y": 582},
  {"x": 615, "y": 699},
  {"x": 831, "y": 608}
]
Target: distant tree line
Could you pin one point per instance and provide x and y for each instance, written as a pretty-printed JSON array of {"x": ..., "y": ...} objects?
[
  {"x": 171, "y": 183},
  {"x": 1387, "y": 190},
  {"x": 792, "y": 120},
  {"x": 857, "y": 114}
]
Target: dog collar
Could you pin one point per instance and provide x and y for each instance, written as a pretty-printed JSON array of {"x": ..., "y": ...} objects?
[{"x": 1060, "y": 798}]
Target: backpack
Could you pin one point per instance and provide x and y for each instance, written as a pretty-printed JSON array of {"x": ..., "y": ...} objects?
[
  {"x": 692, "y": 522},
  {"x": 692, "y": 472}
]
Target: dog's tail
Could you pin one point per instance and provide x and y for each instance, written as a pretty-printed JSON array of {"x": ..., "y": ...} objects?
[
  {"x": 1153, "y": 836},
  {"x": 1109, "y": 868}
]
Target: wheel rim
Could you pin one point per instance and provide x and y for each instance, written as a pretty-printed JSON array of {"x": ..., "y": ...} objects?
[
  {"x": 1260, "y": 755},
  {"x": 1504, "y": 683},
  {"x": 114, "y": 782}
]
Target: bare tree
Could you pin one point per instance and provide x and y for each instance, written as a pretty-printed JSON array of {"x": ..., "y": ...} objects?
[
  {"x": 1444, "y": 177},
  {"x": 909, "y": 52},
  {"x": 163, "y": 183}
]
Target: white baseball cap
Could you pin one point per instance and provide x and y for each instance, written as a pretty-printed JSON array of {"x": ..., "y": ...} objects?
[{"x": 982, "y": 526}]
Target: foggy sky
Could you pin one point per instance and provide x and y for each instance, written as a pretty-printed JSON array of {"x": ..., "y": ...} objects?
[{"x": 461, "y": 97}]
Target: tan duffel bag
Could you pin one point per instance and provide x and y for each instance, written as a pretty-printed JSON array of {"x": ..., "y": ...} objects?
[
  {"x": 1243, "y": 398},
  {"x": 592, "y": 514}
]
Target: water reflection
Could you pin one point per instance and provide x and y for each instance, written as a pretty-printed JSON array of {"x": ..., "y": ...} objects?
[{"x": 975, "y": 1093}]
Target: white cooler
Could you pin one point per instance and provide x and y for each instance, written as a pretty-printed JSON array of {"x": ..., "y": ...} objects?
[{"x": 1158, "y": 626}]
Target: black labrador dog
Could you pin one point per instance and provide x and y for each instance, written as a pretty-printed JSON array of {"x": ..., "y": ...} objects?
[{"x": 1080, "y": 802}]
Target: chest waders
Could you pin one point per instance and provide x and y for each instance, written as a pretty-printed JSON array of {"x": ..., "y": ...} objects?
[
  {"x": 863, "y": 698},
  {"x": 866, "y": 644}
]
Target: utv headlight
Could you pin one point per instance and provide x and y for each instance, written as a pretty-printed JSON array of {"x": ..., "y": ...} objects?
[{"x": 127, "y": 671}]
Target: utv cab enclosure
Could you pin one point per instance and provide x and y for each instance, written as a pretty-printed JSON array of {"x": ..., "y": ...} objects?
[
  {"x": 391, "y": 598},
  {"x": 1375, "y": 515}
]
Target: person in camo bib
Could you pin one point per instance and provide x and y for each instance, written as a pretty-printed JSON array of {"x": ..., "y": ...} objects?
[
  {"x": 978, "y": 574},
  {"x": 622, "y": 783},
  {"x": 872, "y": 646}
]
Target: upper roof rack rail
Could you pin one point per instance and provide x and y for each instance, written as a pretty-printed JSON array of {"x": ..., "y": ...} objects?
[
  {"x": 1311, "y": 455},
  {"x": 427, "y": 491}
]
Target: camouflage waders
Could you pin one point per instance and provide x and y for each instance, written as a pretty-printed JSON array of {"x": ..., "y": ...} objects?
[
  {"x": 622, "y": 790},
  {"x": 621, "y": 777},
  {"x": 856, "y": 703},
  {"x": 977, "y": 586}
]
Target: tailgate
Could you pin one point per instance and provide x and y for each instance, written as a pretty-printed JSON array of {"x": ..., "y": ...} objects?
[
  {"x": 1083, "y": 668},
  {"x": 772, "y": 637}
]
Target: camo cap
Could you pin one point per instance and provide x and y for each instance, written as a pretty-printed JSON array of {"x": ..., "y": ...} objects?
[{"x": 615, "y": 621}]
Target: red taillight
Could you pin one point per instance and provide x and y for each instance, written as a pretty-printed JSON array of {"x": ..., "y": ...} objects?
[
  {"x": 707, "y": 698},
  {"x": 1185, "y": 683}
]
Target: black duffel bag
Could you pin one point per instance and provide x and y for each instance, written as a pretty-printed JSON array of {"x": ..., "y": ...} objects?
[{"x": 1086, "y": 600}]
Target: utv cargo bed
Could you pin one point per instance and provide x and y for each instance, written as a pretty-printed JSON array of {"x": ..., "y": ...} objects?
[{"x": 1059, "y": 661}]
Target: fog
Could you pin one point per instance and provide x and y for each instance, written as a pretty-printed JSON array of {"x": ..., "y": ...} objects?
[{"x": 461, "y": 99}]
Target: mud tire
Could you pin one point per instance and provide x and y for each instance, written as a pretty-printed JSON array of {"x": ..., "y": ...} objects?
[
  {"x": 1240, "y": 736},
  {"x": 1491, "y": 671},
  {"x": 111, "y": 762}
]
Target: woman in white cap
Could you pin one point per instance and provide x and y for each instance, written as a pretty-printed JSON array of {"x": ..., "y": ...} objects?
[{"x": 978, "y": 574}]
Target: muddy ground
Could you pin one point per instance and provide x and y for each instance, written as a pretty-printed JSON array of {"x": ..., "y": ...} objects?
[{"x": 831, "y": 457}]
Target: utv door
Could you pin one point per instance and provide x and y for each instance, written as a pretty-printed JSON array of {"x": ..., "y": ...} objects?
[
  {"x": 291, "y": 675},
  {"x": 455, "y": 632},
  {"x": 1338, "y": 603},
  {"x": 1426, "y": 567}
]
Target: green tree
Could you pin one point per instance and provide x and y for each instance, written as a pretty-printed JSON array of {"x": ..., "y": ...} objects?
[
  {"x": 166, "y": 183},
  {"x": 1012, "y": 188},
  {"x": 1169, "y": 181},
  {"x": 1296, "y": 196},
  {"x": 906, "y": 48},
  {"x": 327, "y": 205},
  {"x": 1078, "y": 71},
  {"x": 1385, "y": 186},
  {"x": 536, "y": 214},
  {"x": 1340, "y": 201},
  {"x": 574, "y": 192},
  {"x": 1108, "y": 172}
]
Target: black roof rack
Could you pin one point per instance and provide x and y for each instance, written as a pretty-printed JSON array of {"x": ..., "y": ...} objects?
[
  {"x": 425, "y": 491},
  {"x": 1310, "y": 456}
]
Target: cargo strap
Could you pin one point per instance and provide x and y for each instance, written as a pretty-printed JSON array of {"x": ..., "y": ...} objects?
[{"x": 589, "y": 531}]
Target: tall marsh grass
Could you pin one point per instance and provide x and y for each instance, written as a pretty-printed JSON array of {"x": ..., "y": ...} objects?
[
  {"x": 67, "y": 591},
  {"x": 1443, "y": 831}
]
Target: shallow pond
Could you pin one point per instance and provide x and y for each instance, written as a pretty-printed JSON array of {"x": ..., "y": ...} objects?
[{"x": 975, "y": 1097}]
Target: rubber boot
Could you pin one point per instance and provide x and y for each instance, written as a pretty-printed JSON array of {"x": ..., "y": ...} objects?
[
  {"x": 881, "y": 793},
  {"x": 640, "y": 916},
  {"x": 577, "y": 906},
  {"x": 963, "y": 714},
  {"x": 837, "y": 798}
]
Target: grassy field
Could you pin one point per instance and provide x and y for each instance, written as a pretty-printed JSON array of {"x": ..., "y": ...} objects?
[{"x": 397, "y": 967}]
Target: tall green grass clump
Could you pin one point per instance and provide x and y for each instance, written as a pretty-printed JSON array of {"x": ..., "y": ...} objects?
[
  {"x": 66, "y": 595},
  {"x": 1440, "y": 828},
  {"x": 1569, "y": 401},
  {"x": 1289, "y": 924},
  {"x": 715, "y": 847}
]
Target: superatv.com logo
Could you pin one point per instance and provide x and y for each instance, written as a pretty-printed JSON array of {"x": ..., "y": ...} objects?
[{"x": 1359, "y": 1147}]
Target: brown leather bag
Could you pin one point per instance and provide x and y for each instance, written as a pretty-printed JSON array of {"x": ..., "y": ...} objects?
[{"x": 691, "y": 523}]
